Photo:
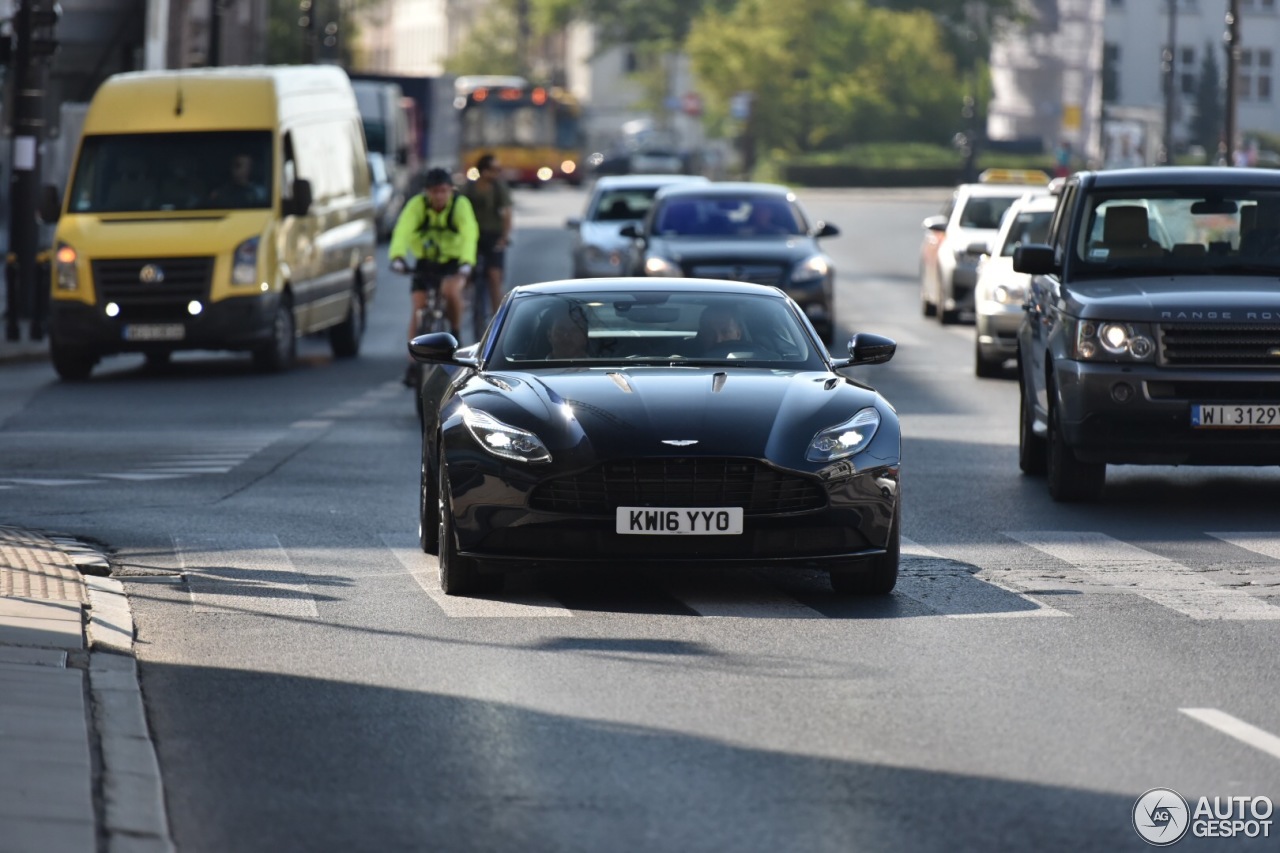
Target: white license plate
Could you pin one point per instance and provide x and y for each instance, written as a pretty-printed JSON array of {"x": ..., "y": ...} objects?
[
  {"x": 677, "y": 521},
  {"x": 1258, "y": 416},
  {"x": 155, "y": 332}
]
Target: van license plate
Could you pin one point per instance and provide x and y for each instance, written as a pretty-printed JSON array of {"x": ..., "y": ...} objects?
[
  {"x": 155, "y": 332},
  {"x": 1257, "y": 416},
  {"x": 677, "y": 521}
]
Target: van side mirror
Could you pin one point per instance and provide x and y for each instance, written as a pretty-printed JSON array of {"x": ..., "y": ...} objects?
[
  {"x": 1033, "y": 259},
  {"x": 300, "y": 205},
  {"x": 50, "y": 209}
]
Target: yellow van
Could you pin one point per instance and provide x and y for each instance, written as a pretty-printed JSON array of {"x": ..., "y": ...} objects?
[{"x": 225, "y": 209}]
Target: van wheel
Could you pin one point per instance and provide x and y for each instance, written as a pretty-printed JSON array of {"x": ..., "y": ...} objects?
[
  {"x": 344, "y": 338},
  {"x": 280, "y": 353},
  {"x": 71, "y": 363}
]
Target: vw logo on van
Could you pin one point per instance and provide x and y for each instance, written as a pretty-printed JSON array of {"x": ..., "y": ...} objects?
[{"x": 151, "y": 274}]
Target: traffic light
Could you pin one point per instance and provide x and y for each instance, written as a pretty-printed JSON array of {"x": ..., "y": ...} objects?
[{"x": 44, "y": 21}]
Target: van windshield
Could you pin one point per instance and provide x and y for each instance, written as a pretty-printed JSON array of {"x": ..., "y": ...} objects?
[{"x": 129, "y": 173}]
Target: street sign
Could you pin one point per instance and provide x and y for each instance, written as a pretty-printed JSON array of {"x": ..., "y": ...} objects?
[
  {"x": 740, "y": 106},
  {"x": 691, "y": 104}
]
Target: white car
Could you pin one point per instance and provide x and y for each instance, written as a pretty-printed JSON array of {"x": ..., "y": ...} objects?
[
  {"x": 599, "y": 250},
  {"x": 948, "y": 269},
  {"x": 1000, "y": 292}
]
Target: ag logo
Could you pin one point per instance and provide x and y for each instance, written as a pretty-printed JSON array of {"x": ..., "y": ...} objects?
[
  {"x": 151, "y": 274},
  {"x": 1161, "y": 817}
]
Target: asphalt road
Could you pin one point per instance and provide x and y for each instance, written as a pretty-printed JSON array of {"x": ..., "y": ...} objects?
[{"x": 308, "y": 687}]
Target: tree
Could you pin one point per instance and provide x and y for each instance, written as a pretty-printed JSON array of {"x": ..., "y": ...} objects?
[
  {"x": 493, "y": 44},
  {"x": 296, "y": 30},
  {"x": 823, "y": 74},
  {"x": 1207, "y": 117}
]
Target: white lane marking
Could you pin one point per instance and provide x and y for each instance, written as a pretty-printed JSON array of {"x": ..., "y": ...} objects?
[
  {"x": 425, "y": 570},
  {"x": 947, "y": 587},
  {"x": 1236, "y": 728},
  {"x": 1128, "y": 568},
  {"x": 311, "y": 424},
  {"x": 185, "y": 469},
  {"x": 746, "y": 598},
  {"x": 34, "y": 481},
  {"x": 243, "y": 574},
  {"x": 143, "y": 477}
]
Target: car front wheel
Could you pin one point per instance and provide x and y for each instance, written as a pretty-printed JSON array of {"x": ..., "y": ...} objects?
[
  {"x": 877, "y": 575},
  {"x": 458, "y": 575},
  {"x": 1031, "y": 447},
  {"x": 1070, "y": 480}
]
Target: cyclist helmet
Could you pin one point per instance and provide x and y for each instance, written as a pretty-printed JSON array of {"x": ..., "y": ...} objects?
[{"x": 437, "y": 177}]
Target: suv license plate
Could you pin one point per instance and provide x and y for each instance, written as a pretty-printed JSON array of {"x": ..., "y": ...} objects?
[
  {"x": 155, "y": 332},
  {"x": 1265, "y": 416},
  {"x": 678, "y": 521}
]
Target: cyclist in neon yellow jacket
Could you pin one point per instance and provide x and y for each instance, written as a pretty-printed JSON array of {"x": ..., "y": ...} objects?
[{"x": 438, "y": 229}]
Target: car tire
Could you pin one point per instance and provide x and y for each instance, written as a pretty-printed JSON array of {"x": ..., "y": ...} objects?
[
  {"x": 344, "y": 338},
  {"x": 279, "y": 354},
  {"x": 1070, "y": 480},
  {"x": 986, "y": 368},
  {"x": 1032, "y": 448},
  {"x": 428, "y": 505},
  {"x": 71, "y": 363},
  {"x": 876, "y": 575},
  {"x": 458, "y": 575},
  {"x": 948, "y": 317}
]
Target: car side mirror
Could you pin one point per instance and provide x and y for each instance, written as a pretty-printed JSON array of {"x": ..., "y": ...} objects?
[
  {"x": 1034, "y": 259},
  {"x": 435, "y": 348},
  {"x": 980, "y": 248},
  {"x": 826, "y": 229},
  {"x": 865, "y": 348},
  {"x": 300, "y": 205},
  {"x": 935, "y": 223},
  {"x": 50, "y": 204},
  {"x": 633, "y": 231},
  {"x": 573, "y": 223}
]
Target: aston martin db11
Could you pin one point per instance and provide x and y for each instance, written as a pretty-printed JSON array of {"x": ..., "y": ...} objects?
[{"x": 613, "y": 421}]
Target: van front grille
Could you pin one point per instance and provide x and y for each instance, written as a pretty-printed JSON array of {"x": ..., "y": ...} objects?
[{"x": 153, "y": 289}]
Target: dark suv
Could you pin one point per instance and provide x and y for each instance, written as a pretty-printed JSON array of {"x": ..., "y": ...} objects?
[{"x": 1152, "y": 329}]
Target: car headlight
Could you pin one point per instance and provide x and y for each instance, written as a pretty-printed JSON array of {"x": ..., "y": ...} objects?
[
  {"x": 1108, "y": 340},
  {"x": 65, "y": 265},
  {"x": 244, "y": 266},
  {"x": 503, "y": 439},
  {"x": 844, "y": 439},
  {"x": 653, "y": 265},
  {"x": 596, "y": 255},
  {"x": 811, "y": 268},
  {"x": 1009, "y": 294}
]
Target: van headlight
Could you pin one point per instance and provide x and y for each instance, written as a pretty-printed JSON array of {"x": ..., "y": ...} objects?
[
  {"x": 504, "y": 440},
  {"x": 244, "y": 265},
  {"x": 1109, "y": 340},
  {"x": 64, "y": 262},
  {"x": 844, "y": 439}
]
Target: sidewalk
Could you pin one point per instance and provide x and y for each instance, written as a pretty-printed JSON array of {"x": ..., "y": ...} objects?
[
  {"x": 22, "y": 350},
  {"x": 78, "y": 771}
]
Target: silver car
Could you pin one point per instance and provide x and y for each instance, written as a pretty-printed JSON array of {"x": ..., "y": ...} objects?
[
  {"x": 599, "y": 249},
  {"x": 1000, "y": 292}
]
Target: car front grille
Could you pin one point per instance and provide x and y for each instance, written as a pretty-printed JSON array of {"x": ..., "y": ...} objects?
[
  {"x": 679, "y": 482},
  {"x": 174, "y": 283},
  {"x": 754, "y": 273},
  {"x": 1220, "y": 346}
]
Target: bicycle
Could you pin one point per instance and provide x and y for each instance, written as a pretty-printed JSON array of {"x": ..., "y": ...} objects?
[{"x": 432, "y": 317}]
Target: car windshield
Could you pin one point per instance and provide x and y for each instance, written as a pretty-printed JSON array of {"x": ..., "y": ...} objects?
[
  {"x": 173, "y": 171},
  {"x": 1028, "y": 226},
  {"x": 985, "y": 211},
  {"x": 622, "y": 205},
  {"x": 618, "y": 328},
  {"x": 728, "y": 216},
  {"x": 1160, "y": 231}
]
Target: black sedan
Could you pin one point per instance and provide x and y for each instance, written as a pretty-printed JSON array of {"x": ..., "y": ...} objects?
[
  {"x": 740, "y": 231},
  {"x": 612, "y": 421}
]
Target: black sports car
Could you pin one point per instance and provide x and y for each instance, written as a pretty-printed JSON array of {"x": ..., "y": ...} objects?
[
  {"x": 740, "y": 231},
  {"x": 614, "y": 420}
]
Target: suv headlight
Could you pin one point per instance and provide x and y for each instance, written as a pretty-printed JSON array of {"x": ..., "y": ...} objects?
[
  {"x": 64, "y": 262},
  {"x": 244, "y": 266},
  {"x": 811, "y": 268},
  {"x": 655, "y": 265},
  {"x": 844, "y": 439},
  {"x": 504, "y": 440},
  {"x": 1110, "y": 340}
]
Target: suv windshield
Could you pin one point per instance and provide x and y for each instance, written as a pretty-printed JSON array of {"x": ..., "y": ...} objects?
[
  {"x": 132, "y": 173},
  {"x": 617, "y": 328},
  {"x": 1180, "y": 230}
]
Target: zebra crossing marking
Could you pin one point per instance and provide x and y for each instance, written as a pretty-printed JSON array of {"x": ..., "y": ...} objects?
[
  {"x": 948, "y": 588},
  {"x": 1128, "y": 568},
  {"x": 425, "y": 570},
  {"x": 747, "y": 598},
  {"x": 262, "y": 582},
  {"x": 1236, "y": 728}
]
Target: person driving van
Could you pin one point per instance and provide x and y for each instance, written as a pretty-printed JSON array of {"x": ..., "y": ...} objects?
[{"x": 240, "y": 190}]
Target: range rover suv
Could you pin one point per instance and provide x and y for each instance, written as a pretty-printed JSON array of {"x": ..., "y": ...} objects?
[{"x": 1152, "y": 328}]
